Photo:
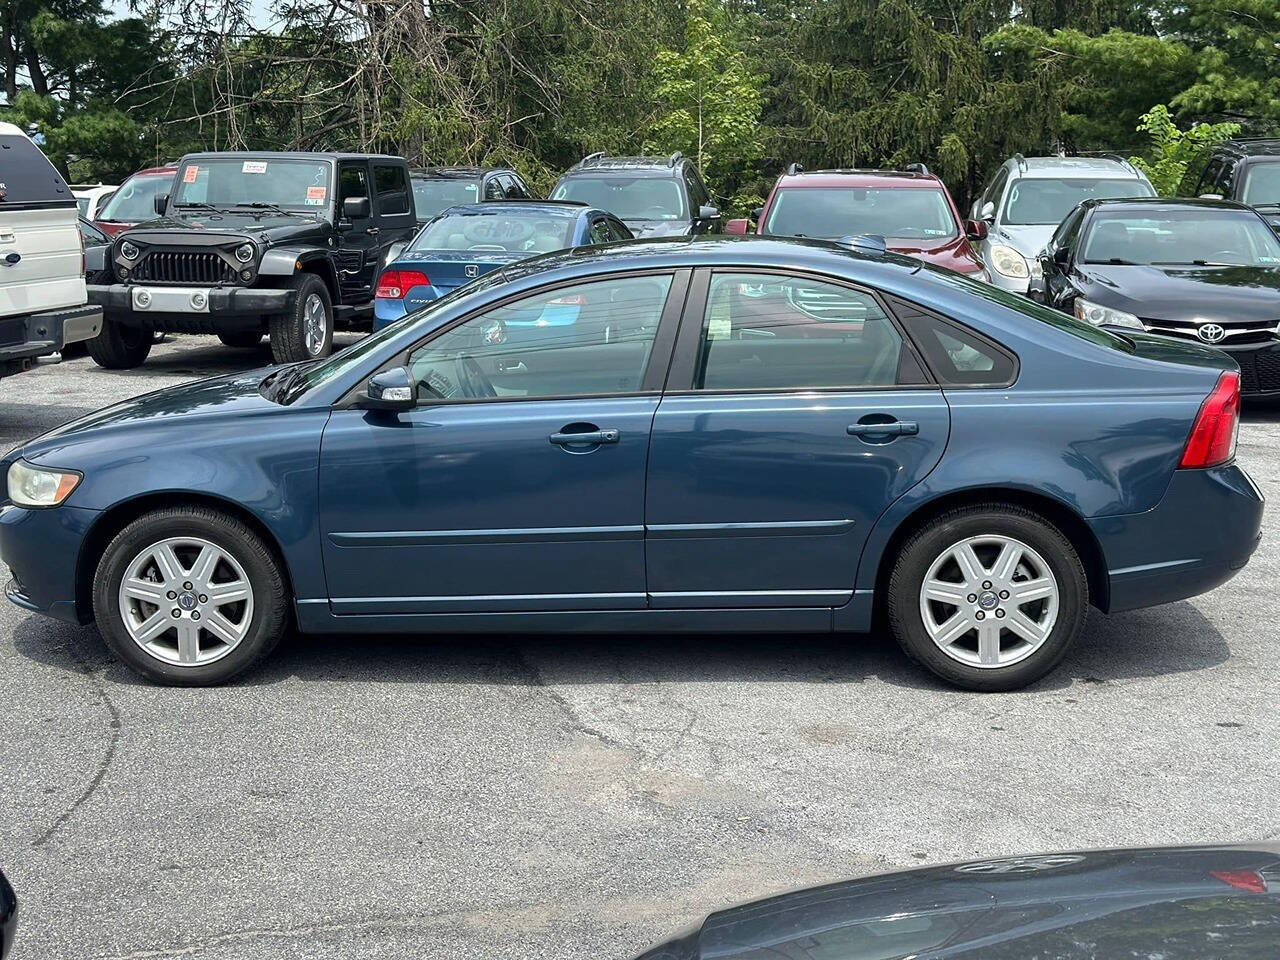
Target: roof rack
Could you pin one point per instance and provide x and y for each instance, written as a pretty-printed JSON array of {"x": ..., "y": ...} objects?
[
  {"x": 674, "y": 158},
  {"x": 592, "y": 157},
  {"x": 1105, "y": 155},
  {"x": 1020, "y": 160},
  {"x": 793, "y": 169},
  {"x": 919, "y": 168}
]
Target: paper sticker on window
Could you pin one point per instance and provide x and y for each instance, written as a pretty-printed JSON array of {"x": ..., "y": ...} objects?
[
  {"x": 316, "y": 195},
  {"x": 254, "y": 166},
  {"x": 189, "y": 175}
]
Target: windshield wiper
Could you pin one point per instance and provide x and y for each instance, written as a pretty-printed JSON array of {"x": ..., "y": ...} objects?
[
  {"x": 1194, "y": 263},
  {"x": 1115, "y": 262},
  {"x": 196, "y": 206},
  {"x": 273, "y": 207}
]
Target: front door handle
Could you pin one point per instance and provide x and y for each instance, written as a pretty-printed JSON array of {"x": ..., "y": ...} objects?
[
  {"x": 895, "y": 428},
  {"x": 589, "y": 438}
]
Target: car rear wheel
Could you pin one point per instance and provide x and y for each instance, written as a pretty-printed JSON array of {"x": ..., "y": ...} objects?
[
  {"x": 305, "y": 332},
  {"x": 241, "y": 339},
  {"x": 189, "y": 596},
  {"x": 119, "y": 346},
  {"x": 988, "y": 597}
]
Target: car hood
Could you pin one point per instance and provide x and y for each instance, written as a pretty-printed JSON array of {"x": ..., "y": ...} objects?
[
  {"x": 1028, "y": 239},
  {"x": 237, "y": 393},
  {"x": 268, "y": 228},
  {"x": 658, "y": 228},
  {"x": 1186, "y": 293},
  {"x": 953, "y": 253}
]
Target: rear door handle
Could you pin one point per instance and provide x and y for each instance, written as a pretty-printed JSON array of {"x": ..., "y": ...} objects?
[
  {"x": 898, "y": 428},
  {"x": 590, "y": 438}
]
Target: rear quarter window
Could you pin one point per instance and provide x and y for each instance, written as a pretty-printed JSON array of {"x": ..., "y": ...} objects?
[
  {"x": 27, "y": 178},
  {"x": 958, "y": 356}
]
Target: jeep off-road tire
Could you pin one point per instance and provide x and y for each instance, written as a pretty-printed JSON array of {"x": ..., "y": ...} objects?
[
  {"x": 306, "y": 331},
  {"x": 119, "y": 346}
]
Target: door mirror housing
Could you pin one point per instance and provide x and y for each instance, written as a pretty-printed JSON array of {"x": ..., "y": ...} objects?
[
  {"x": 755, "y": 215},
  {"x": 988, "y": 212},
  {"x": 160, "y": 203},
  {"x": 738, "y": 227},
  {"x": 1062, "y": 257},
  {"x": 392, "y": 389},
  {"x": 976, "y": 229},
  {"x": 708, "y": 213},
  {"x": 356, "y": 208}
]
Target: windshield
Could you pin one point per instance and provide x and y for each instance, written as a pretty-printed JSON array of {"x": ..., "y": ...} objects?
[
  {"x": 1045, "y": 202},
  {"x": 1195, "y": 236},
  {"x": 627, "y": 198},
  {"x": 228, "y": 182},
  {"x": 829, "y": 214},
  {"x": 435, "y": 196},
  {"x": 498, "y": 232},
  {"x": 135, "y": 201},
  {"x": 1262, "y": 184}
]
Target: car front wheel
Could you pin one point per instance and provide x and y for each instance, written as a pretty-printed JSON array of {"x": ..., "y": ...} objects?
[
  {"x": 306, "y": 332},
  {"x": 988, "y": 597},
  {"x": 189, "y": 596}
]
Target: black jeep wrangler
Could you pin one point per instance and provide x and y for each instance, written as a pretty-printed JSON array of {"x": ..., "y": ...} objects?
[{"x": 246, "y": 244}]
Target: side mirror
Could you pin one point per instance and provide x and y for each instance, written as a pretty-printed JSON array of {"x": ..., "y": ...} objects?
[
  {"x": 756, "y": 214},
  {"x": 988, "y": 211},
  {"x": 738, "y": 227},
  {"x": 708, "y": 213},
  {"x": 1062, "y": 257},
  {"x": 390, "y": 390},
  {"x": 356, "y": 208},
  {"x": 159, "y": 203},
  {"x": 394, "y": 251},
  {"x": 976, "y": 229}
]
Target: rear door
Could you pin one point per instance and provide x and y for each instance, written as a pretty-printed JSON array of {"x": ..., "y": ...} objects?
[
  {"x": 393, "y": 205},
  {"x": 796, "y": 411},
  {"x": 40, "y": 267}
]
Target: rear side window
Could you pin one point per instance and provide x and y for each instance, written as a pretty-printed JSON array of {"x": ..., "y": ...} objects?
[
  {"x": 393, "y": 188},
  {"x": 27, "y": 178},
  {"x": 958, "y": 356}
]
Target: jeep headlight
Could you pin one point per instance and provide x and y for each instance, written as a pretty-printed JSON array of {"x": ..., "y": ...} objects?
[
  {"x": 32, "y": 486},
  {"x": 1008, "y": 262},
  {"x": 1100, "y": 316},
  {"x": 245, "y": 252},
  {"x": 129, "y": 250}
]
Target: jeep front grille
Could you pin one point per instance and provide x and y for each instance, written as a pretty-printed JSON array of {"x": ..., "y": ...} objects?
[{"x": 160, "y": 266}]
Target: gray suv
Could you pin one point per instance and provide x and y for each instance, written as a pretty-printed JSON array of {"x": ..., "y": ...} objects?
[{"x": 1029, "y": 196}]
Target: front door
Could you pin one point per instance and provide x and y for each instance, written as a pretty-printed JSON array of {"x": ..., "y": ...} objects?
[
  {"x": 358, "y": 245},
  {"x": 795, "y": 413},
  {"x": 518, "y": 481}
]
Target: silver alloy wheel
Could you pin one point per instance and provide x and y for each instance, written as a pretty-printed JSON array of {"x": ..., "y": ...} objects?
[
  {"x": 989, "y": 601},
  {"x": 186, "y": 601},
  {"x": 314, "y": 324}
]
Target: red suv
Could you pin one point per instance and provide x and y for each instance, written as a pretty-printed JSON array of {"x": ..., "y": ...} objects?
[
  {"x": 911, "y": 209},
  {"x": 134, "y": 202}
]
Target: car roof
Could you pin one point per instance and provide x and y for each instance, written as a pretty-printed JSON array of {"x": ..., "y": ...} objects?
[
  {"x": 856, "y": 178},
  {"x": 1167, "y": 203},
  {"x": 289, "y": 155},
  {"x": 453, "y": 173},
  {"x": 567, "y": 209},
  {"x": 603, "y": 164},
  {"x": 1062, "y": 168},
  {"x": 1265, "y": 147}
]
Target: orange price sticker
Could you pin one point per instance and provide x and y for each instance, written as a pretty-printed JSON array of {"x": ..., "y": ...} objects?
[{"x": 189, "y": 175}]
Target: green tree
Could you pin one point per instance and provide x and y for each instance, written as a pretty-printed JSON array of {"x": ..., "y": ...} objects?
[{"x": 1174, "y": 153}]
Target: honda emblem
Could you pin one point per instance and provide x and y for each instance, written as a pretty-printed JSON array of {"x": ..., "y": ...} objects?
[{"x": 472, "y": 270}]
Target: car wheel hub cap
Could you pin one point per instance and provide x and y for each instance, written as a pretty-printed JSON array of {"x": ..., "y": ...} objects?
[
  {"x": 186, "y": 601},
  {"x": 989, "y": 601},
  {"x": 314, "y": 324}
]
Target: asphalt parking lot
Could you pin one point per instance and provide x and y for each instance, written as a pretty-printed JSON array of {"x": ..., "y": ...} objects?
[{"x": 580, "y": 797}]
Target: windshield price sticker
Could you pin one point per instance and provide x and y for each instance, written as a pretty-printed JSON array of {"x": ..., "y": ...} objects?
[
  {"x": 189, "y": 175},
  {"x": 316, "y": 195},
  {"x": 254, "y": 166}
]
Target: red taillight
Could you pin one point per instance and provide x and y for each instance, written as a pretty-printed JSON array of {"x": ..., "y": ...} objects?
[
  {"x": 394, "y": 284},
  {"x": 1250, "y": 881},
  {"x": 1213, "y": 437}
]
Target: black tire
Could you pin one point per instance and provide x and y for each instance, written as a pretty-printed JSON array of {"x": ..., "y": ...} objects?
[
  {"x": 266, "y": 623},
  {"x": 119, "y": 346},
  {"x": 242, "y": 339},
  {"x": 289, "y": 340},
  {"x": 918, "y": 555}
]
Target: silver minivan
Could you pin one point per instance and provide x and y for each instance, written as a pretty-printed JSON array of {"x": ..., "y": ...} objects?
[
  {"x": 43, "y": 301},
  {"x": 1029, "y": 196}
]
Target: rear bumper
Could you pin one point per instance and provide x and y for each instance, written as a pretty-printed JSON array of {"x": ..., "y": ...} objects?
[
  {"x": 39, "y": 334},
  {"x": 1200, "y": 536},
  {"x": 42, "y": 549},
  {"x": 386, "y": 311},
  {"x": 176, "y": 308}
]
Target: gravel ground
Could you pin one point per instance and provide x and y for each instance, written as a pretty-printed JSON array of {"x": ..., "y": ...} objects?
[{"x": 580, "y": 797}]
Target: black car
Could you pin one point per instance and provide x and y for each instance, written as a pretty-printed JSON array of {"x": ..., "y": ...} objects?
[
  {"x": 653, "y": 196},
  {"x": 436, "y": 189},
  {"x": 1203, "y": 270},
  {"x": 97, "y": 246},
  {"x": 1176, "y": 903},
  {"x": 285, "y": 244},
  {"x": 1247, "y": 171},
  {"x": 8, "y": 917}
]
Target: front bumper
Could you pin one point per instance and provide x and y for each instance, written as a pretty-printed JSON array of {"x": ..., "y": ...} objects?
[
  {"x": 191, "y": 309},
  {"x": 28, "y": 336},
  {"x": 42, "y": 550},
  {"x": 1200, "y": 535},
  {"x": 1259, "y": 367}
]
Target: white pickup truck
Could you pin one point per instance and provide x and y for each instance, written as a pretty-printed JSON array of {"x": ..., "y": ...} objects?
[{"x": 43, "y": 301}]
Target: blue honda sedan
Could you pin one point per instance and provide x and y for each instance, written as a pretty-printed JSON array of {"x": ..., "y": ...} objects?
[
  {"x": 732, "y": 435},
  {"x": 468, "y": 241}
]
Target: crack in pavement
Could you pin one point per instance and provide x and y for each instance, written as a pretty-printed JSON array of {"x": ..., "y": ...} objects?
[
  {"x": 534, "y": 677},
  {"x": 113, "y": 725}
]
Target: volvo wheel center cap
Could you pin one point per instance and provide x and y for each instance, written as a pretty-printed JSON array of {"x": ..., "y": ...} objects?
[
  {"x": 988, "y": 600},
  {"x": 1211, "y": 332},
  {"x": 188, "y": 601}
]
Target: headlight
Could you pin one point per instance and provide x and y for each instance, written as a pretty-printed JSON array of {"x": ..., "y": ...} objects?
[
  {"x": 1008, "y": 262},
  {"x": 1098, "y": 315},
  {"x": 245, "y": 252},
  {"x": 32, "y": 486},
  {"x": 128, "y": 250}
]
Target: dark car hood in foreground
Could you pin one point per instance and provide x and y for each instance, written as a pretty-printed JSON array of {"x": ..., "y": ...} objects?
[
  {"x": 1188, "y": 903},
  {"x": 267, "y": 227},
  {"x": 1186, "y": 293},
  {"x": 236, "y": 393}
]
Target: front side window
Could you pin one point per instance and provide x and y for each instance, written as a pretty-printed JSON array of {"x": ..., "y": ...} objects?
[
  {"x": 1262, "y": 184},
  {"x": 431, "y": 197},
  {"x": 135, "y": 201},
  {"x": 627, "y": 198},
  {"x": 389, "y": 179},
  {"x": 831, "y": 213},
  {"x": 585, "y": 340},
  {"x": 770, "y": 332},
  {"x": 493, "y": 189},
  {"x": 600, "y": 232},
  {"x": 506, "y": 231},
  {"x": 302, "y": 185},
  {"x": 1191, "y": 236},
  {"x": 1036, "y": 200}
]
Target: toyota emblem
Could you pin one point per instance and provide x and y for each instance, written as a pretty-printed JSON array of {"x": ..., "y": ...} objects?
[
  {"x": 472, "y": 270},
  {"x": 1211, "y": 332}
]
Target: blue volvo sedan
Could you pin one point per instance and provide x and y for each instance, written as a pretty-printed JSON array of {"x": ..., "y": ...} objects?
[
  {"x": 732, "y": 435},
  {"x": 474, "y": 239}
]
